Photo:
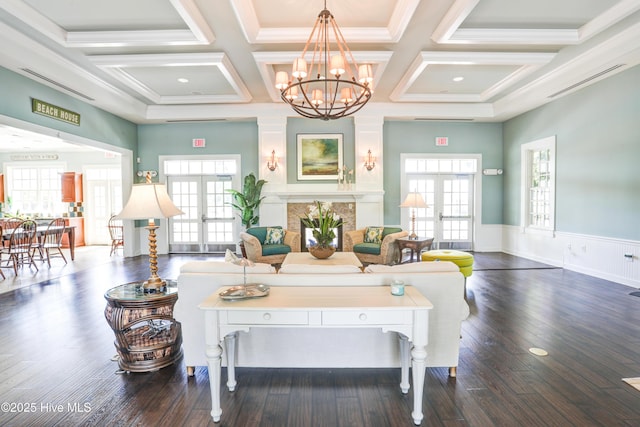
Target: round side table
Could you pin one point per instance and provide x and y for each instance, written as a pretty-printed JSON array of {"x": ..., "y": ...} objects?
[{"x": 147, "y": 336}]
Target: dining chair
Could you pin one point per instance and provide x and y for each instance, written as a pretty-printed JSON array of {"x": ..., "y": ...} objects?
[
  {"x": 116, "y": 231},
  {"x": 50, "y": 241},
  {"x": 20, "y": 249}
]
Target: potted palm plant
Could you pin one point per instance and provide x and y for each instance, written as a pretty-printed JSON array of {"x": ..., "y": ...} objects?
[{"x": 248, "y": 201}]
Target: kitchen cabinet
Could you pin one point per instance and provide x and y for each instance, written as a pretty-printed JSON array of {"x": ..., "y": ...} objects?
[
  {"x": 78, "y": 222},
  {"x": 71, "y": 187}
]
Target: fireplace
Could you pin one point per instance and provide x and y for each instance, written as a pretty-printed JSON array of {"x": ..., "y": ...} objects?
[{"x": 306, "y": 234}]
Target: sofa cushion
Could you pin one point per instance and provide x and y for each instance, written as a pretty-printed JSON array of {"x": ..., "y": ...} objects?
[
  {"x": 224, "y": 267},
  {"x": 413, "y": 267},
  {"x": 260, "y": 233},
  {"x": 318, "y": 269},
  {"x": 275, "y": 250},
  {"x": 275, "y": 236},
  {"x": 367, "y": 248},
  {"x": 373, "y": 235},
  {"x": 390, "y": 230}
]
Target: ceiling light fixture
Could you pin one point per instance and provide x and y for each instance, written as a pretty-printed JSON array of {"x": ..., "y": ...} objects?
[
  {"x": 326, "y": 87},
  {"x": 458, "y": 79},
  {"x": 183, "y": 80}
]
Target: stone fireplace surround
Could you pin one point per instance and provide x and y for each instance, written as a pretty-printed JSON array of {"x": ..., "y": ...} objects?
[{"x": 295, "y": 211}]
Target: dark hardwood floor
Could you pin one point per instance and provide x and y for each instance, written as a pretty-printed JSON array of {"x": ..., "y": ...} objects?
[{"x": 56, "y": 346}]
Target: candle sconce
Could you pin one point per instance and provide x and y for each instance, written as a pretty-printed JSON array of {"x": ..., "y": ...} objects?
[
  {"x": 272, "y": 163},
  {"x": 369, "y": 161}
]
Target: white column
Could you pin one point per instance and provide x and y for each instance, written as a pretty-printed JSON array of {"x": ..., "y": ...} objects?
[
  {"x": 368, "y": 136},
  {"x": 272, "y": 136}
]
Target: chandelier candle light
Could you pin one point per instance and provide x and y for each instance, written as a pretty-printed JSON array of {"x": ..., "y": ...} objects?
[
  {"x": 326, "y": 87},
  {"x": 149, "y": 201}
]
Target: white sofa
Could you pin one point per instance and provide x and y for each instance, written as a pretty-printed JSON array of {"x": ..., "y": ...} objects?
[{"x": 441, "y": 282}]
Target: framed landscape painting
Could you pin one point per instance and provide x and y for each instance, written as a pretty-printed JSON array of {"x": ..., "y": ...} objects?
[{"x": 319, "y": 156}]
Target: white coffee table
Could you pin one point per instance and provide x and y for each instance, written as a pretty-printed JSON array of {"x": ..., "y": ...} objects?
[{"x": 338, "y": 258}]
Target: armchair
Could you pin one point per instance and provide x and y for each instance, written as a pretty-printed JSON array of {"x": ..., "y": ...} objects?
[
  {"x": 260, "y": 245},
  {"x": 384, "y": 252}
]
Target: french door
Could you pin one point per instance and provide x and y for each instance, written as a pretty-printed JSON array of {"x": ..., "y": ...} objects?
[
  {"x": 208, "y": 222},
  {"x": 449, "y": 215}
]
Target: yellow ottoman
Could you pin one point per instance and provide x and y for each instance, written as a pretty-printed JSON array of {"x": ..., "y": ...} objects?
[{"x": 463, "y": 260}]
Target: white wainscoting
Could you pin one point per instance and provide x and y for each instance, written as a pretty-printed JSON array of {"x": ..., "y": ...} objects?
[{"x": 617, "y": 260}]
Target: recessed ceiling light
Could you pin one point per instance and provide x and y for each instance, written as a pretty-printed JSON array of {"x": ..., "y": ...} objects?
[
  {"x": 458, "y": 79},
  {"x": 183, "y": 80}
]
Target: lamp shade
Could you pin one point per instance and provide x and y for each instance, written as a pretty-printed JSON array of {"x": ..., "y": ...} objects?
[
  {"x": 149, "y": 200},
  {"x": 414, "y": 200}
]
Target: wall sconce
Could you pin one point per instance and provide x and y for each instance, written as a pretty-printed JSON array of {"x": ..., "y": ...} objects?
[
  {"x": 272, "y": 163},
  {"x": 144, "y": 174},
  {"x": 492, "y": 171},
  {"x": 369, "y": 161}
]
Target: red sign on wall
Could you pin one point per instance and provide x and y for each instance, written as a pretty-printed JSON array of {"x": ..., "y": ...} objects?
[
  {"x": 199, "y": 142},
  {"x": 442, "y": 141}
]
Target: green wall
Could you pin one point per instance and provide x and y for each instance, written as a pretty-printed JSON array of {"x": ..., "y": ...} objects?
[
  {"x": 464, "y": 138},
  {"x": 598, "y": 157},
  {"x": 16, "y": 92},
  {"x": 301, "y": 125},
  {"x": 233, "y": 137}
]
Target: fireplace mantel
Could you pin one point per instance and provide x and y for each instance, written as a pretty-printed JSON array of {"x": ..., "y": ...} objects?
[{"x": 328, "y": 195}]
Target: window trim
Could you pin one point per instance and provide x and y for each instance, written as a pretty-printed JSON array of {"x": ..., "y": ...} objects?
[{"x": 525, "y": 167}]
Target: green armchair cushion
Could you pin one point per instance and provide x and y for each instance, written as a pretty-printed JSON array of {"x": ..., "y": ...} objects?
[
  {"x": 260, "y": 233},
  {"x": 275, "y": 249},
  {"x": 367, "y": 248},
  {"x": 390, "y": 230}
]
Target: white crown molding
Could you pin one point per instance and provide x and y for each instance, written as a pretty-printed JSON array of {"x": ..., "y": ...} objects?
[
  {"x": 619, "y": 49},
  {"x": 116, "y": 65},
  {"x": 435, "y": 111},
  {"x": 449, "y": 31},
  {"x": 54, "y": 66},
  {"x": 198, "y": 33},
  {"x": 398, "y": 21},
  {"x": 527, "y": 62},
  {"x": 514, "y": 36},
  {"x": 266, "y": 60}
]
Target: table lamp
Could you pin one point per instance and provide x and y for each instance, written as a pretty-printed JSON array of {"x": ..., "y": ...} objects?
[
  {"x": 149, "y": 201},
  {"x": 413, "y": 201}
]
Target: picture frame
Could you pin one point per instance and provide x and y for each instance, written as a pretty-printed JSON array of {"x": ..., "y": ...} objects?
[{"x": 320, "y": 156}]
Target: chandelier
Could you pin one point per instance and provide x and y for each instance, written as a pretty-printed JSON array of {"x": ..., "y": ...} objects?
[{"x": 326, "y": 87}]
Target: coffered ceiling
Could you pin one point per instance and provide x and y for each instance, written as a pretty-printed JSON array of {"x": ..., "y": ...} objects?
[{"x": 196, "y": 60}]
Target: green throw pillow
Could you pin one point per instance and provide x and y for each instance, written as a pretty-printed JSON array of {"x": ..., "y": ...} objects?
[
  {"x": 275, "y": 236},
  {"x": 373, "y": 235}
]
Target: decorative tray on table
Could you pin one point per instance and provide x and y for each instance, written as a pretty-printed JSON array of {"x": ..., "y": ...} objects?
[{"x": 250, "y": 290}]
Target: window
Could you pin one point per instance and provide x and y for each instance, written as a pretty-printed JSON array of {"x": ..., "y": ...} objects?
[
  {"x": 35, "y": 191},
  {"x": 538, "y": 183}
]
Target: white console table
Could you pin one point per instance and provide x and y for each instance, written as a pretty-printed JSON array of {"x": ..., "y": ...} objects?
[{"x": 320, "y": 307}]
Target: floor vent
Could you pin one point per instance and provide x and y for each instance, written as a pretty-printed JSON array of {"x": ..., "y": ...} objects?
[
  {"x": 55, "y": 83},
  {"x": 587, "y": 80}
]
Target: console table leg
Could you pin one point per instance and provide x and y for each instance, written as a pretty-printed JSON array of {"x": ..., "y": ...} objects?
[
  {"x": 230, "y": 342},
  {"x": 214, "y": 361},
  {"x": 404, "y": 363},
  {"x": 418, "y": 367}
]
